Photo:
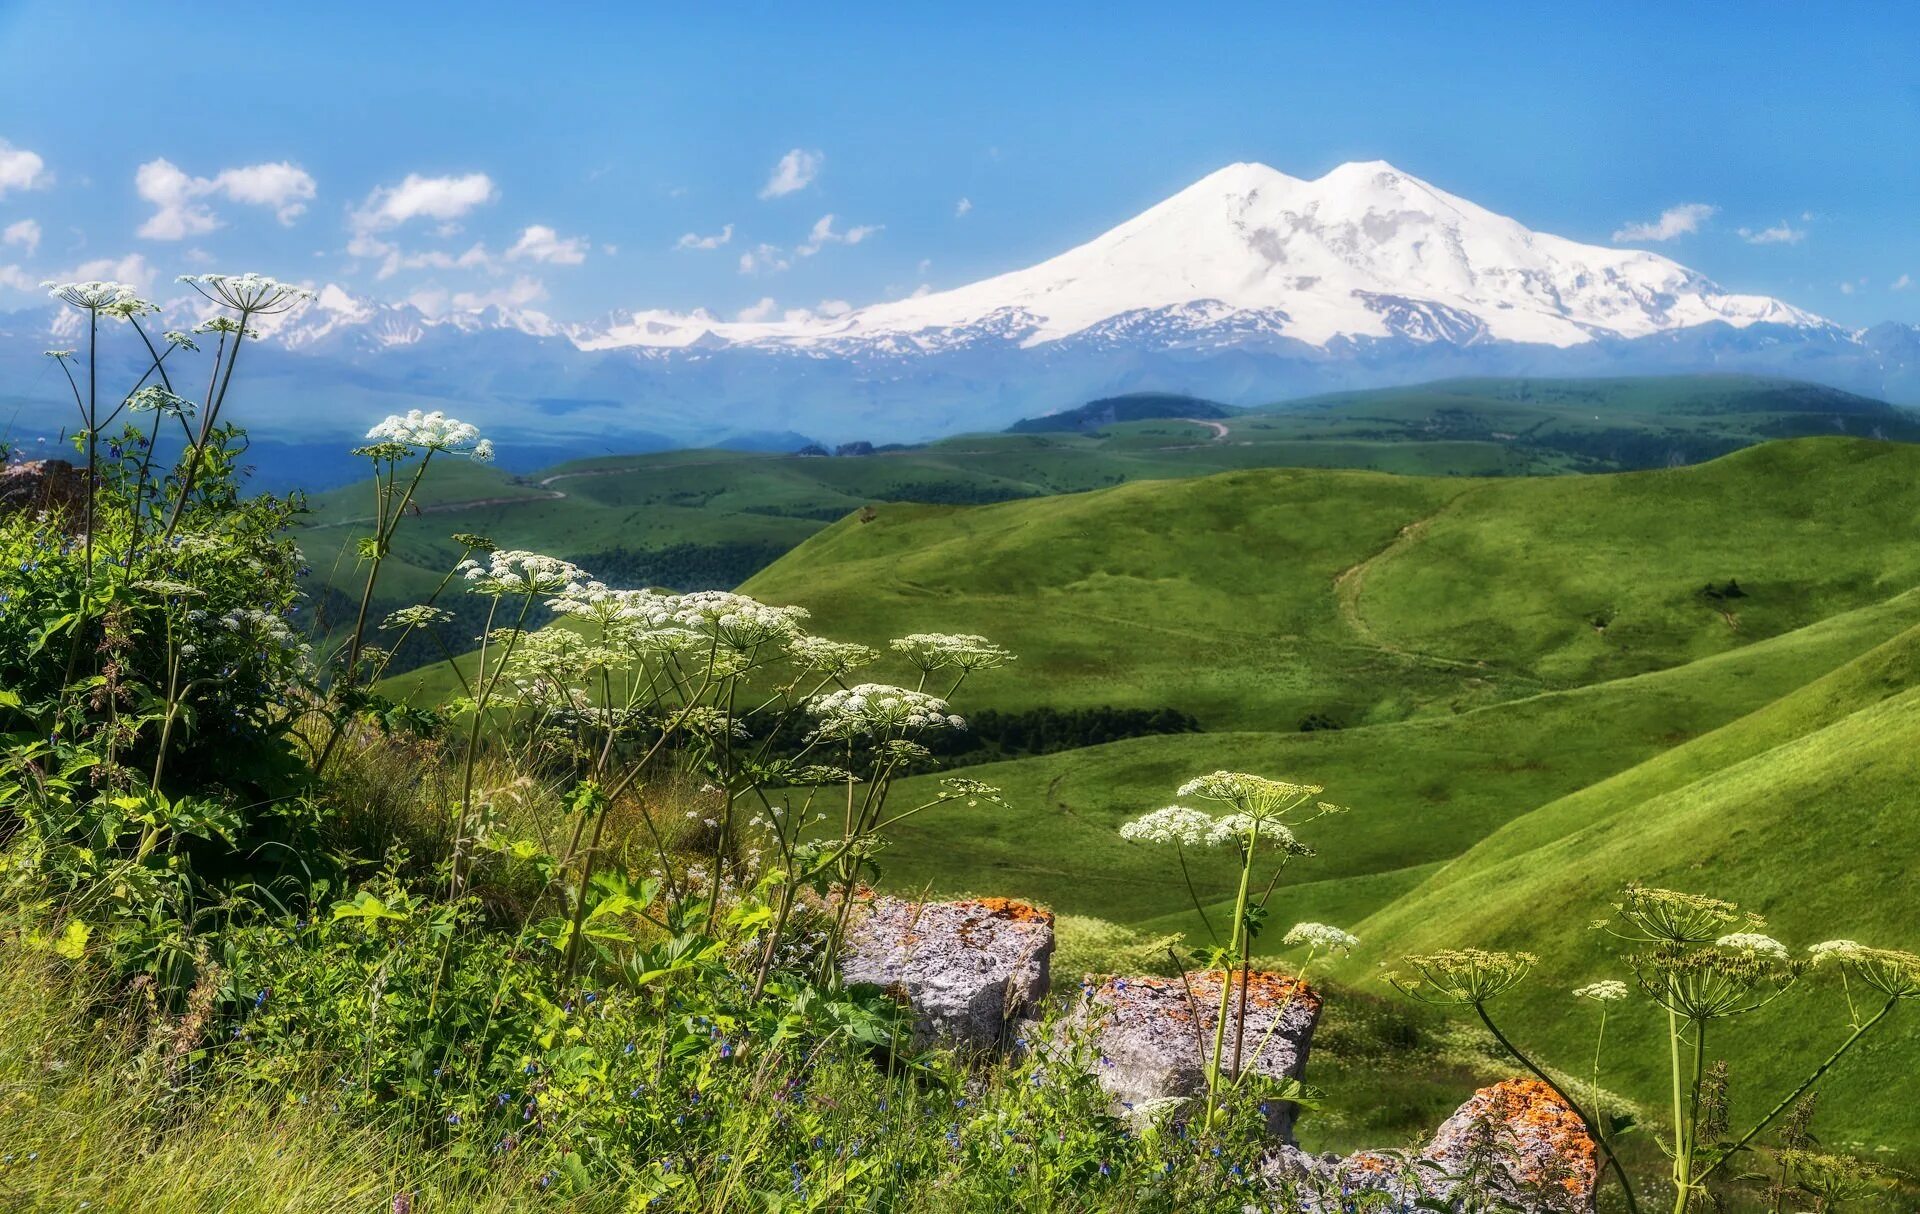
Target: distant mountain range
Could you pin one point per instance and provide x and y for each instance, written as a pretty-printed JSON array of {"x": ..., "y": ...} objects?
[{"x": 1246, "y": 287}]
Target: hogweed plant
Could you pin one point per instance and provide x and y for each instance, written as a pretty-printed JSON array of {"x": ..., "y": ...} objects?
[
  {"x": 1703, "y": 962},
  {"x": 1259, "y": 824}
]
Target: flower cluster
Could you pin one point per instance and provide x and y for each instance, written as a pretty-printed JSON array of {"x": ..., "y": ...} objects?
[
  {"x": 733, "y": 619},
  {"x": 1753, "y": 944},
  {"x": 517, "y": 572},
  {"x": 831, "y": 659},
  {"x": 419, "y": 616},
  {"x": 1174, "y": 824},
  {"x": 155, "y": 399},
  {"x": 248, "y": 293},
  {"x": 1260, "y": 798},
  {"x": 1611, "y": 990},
  {"x": 95, "y": 295},
  {"x": 1892, "y": 972},
  {"x": 1666, "y": 916},
  {"x": 1321, "y": 936},
  {"x": 435, "y": 431},
  {"x": 931, "y": 651},
  {"x": 1467, "y": 976},
  {"x": 878, "y": 710}
]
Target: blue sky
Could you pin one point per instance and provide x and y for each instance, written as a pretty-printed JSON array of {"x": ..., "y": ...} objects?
[{"x": 558, "y": 153}]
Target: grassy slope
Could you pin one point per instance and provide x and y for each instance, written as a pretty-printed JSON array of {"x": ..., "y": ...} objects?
[
  {"x": 1802, "y": 810},
  {"x": 766, "y": 503}
]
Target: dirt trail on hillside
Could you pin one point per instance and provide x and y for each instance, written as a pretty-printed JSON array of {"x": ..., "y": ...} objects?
[{"x": 1349, "y": 582}]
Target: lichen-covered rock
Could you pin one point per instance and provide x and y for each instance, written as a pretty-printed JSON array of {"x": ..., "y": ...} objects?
[
  {"x": 969, "y": 969},
  {"x": 1515, "y": 1141},
  {"x": 1533, "y": 1144},
  {"x": 1154, "y": 1035},
  {"x": 37, "y": 485}
]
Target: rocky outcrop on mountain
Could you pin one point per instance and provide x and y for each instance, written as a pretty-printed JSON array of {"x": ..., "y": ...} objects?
[
  {"x": 970, "y": 970},
  {"x": 1515, "y": 1141},
  {"x": 1154, "y": 1036},
  {"x": 42, "y": 485}
]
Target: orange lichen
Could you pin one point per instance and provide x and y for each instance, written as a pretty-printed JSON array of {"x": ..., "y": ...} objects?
[
  {"x": 1534, "y": 1113},
  {"x": 1018, "y": 912},
  {"x": 1265, "y": 988}
]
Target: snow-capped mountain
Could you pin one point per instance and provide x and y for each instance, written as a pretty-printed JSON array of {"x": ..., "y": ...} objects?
[
  {"x": 1365, "y": 251},
  {"x": 1249, "y": 286}
]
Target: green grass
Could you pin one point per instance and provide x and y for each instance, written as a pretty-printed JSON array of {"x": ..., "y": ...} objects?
[{"x": 707, "y": 518}]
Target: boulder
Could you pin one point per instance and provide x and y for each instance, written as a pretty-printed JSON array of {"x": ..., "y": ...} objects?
[
  {"x": 1153, "y": 1036},
  {"x": 39, "y": 485},
  {"x": 969, "y": 969},
  {"x": 1516, "y": 1141}
]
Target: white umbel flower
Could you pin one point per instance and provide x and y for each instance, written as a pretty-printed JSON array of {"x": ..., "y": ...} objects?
[
  {"x": 880, "y": 710},
  {"x": 248, "y": 294},
  {"x": 433, "y": 431},
  {"x": 1753, "y": 944},
  {"x": 1321, "y": 936},
  {"x": 517, "y": 572},
  {"x": 1172, "y": 824},
  {"x": 931, "y": 651},
  {"x": 1610, "y": 990}
]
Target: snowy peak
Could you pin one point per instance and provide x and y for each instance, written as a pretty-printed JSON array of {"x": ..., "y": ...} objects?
[{"x": 1365, "y": 251}]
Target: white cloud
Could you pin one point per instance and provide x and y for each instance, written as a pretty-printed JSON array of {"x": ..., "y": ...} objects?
[
  {"x": 823, "y": 235},
  {"x": 475, "y": 258},
  {"x": 926, "y": 263},
  {"x": 1682, "y": 220},
  {"x": 21, "y": 170},
  {"x": 1779, "y": 233},
  {"x": 179, "y": 198},
  {"x": 1901, "y": 283},
  {"x": 418, "y": 197},
  {"x": 763, "y": 259},
  {"x": 131, "y": 269},
  {"x": 693, "y": 240},
  {"x": 522, "y": 292},
  {"x": 542, "y": 243},
  {"x": 962, "y": 207},
  {"x": 796, "y": 171},
  {"x": 1846, "y": 288},
  {"x": 764, "y": 310},
  {"x": 17, "y": 278},
  {"x": 25, "y": 232},
  {"x": 833, "y": 307}
]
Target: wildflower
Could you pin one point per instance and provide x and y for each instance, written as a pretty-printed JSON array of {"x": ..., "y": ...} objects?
[
  {"x": 829, "y": 658},
  {"x": 1892, "y": 972},
  {"x": 931, "y": 651},
  {"x": 1244, "y": 829},
  {"x": 971, "y": 791},
  {"x": 175, "y": 337},
  {"x": 58, "y": 355},
  {"x": 878, "y": 709},
  {"x": 248, "y": 294},
  {"x": 1321, "y": 936},
  {"x": 1610, "y": 990},
  {"x": 1837, "y": 950},
  {"x": 435, "y": 431},
  {"x": 1665, "y": 916},
  {"x": 1173, "y": 824},
  {"x": 419, "y": 616},
  {"x": 1753, "y": 944},
  {"x": 518, "y": 572},
  {"x": 1466, "y": 976},
  {"x": 155, "y": 399},
  {"x": 91, "y": 296},
  {"x": 1714, "y": 983}
]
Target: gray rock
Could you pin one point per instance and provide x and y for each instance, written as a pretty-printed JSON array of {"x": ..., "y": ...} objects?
[
  {"x": 969, "y": 969},
  {"x": 46, "y": 484},
  {"x": 1153, "y": 1037},
  {"x": 1515, "y": 1142}
]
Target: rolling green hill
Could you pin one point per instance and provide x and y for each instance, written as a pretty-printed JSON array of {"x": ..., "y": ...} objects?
[
  {"x": 1511, "y": 762},
  {"x": 1531, "y": 691},
  {"x": 709, "y": 519}
]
